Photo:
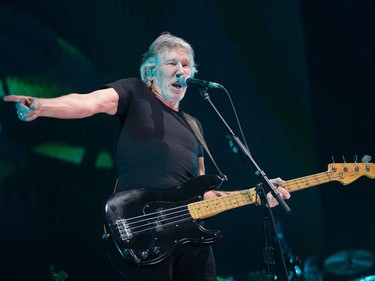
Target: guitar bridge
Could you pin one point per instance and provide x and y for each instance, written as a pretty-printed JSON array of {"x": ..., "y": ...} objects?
[{"x": 123, "y": 229}]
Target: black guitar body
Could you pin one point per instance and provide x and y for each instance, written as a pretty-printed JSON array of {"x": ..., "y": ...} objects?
[{"x": 146, "y": 226}]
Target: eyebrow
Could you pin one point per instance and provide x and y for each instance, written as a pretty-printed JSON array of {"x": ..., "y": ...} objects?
[{"x": 183, "y": 61}]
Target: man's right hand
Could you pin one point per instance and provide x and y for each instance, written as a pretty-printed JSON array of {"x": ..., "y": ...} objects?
[{"x": 27, "y": 107}]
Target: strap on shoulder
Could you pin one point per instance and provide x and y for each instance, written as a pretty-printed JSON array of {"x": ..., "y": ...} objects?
[{"x": 194, "y": 126}]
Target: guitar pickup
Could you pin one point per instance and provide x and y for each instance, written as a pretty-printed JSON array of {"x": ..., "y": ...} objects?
[
  {"x": 160, "y": 220},
  {"x": 158, "y": 226}
]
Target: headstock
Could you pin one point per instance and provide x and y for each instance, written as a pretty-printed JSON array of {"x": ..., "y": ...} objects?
[{"x": 346, "y": 173}]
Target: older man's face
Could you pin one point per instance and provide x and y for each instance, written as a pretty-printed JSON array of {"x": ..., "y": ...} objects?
[{"x": 172, "y": 64}]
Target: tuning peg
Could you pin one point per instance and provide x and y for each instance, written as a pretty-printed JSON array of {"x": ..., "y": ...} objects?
[
  {"x": 355, "y": 158},
  {"x": 343, "y": 159},
  {"x": 366, "y": 158}
]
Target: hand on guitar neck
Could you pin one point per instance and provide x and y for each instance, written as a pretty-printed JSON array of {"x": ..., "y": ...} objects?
[{"x": 277, "y": 183}]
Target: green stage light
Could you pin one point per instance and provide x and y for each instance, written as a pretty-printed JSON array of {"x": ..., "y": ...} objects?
[
  {"x": 104, "y": 160},
  {"x": 72, "y": 154},
  {"x": 71, "y": 71},
  {"x": 68, "y": 153},
  {"x": 31, "y": 86}
]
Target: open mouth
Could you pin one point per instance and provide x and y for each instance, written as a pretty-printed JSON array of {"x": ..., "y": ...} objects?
[{"x": 176, "y": 85}]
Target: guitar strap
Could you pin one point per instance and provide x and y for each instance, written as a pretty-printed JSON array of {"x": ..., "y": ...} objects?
[
  {"x": 194, "y": 126},
  {"x": 115, "y": 188}
]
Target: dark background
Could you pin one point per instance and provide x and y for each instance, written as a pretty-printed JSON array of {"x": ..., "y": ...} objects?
[{"x": 300, "y": 74}]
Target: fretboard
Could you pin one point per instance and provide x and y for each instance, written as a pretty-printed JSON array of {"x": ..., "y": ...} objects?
[{"x": 208, "y": 208}]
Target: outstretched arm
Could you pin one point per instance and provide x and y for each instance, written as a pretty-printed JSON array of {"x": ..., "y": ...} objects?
[{"x": 71, "y": 106}]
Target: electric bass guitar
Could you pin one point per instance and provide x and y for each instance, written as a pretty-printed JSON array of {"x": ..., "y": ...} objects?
[{"x": 145, "y": 226}]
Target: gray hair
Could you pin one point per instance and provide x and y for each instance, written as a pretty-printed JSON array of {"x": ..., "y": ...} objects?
[{"x": 163, "y": 43}]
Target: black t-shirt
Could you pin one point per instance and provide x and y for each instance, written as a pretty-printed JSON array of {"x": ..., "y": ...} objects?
[{"x": 156, "y": 147}]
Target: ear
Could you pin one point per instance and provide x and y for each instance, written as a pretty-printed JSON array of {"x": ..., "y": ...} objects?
[{"x": 151, "y": 72}]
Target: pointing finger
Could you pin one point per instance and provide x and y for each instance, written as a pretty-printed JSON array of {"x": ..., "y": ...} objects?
[{"x": 14, "y": 98}]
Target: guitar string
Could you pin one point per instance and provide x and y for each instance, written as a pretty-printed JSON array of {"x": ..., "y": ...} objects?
[
  {"x": 161, "y": 224},
  {"x": 175, "y": 215},
  {"x": 296, "y": 182},
  {"x": 289, "y": 184},
  {"x": 224, "y": 199},
  {"x": 153, "y": 225},
  {"x": 306, "y": 181},
  {"x": 156, "y": 213},
  {"x": 228, "y": 202},
  {"x": 174, "y": 221},
  {"x": 144, "y": 216},
  {"x": 155, "y": 217},
  {"x": 170, "y": 220},
  {"x": 161, "y": 213}
]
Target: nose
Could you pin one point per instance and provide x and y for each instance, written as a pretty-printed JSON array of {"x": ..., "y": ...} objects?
[{"x": 179, "y": 70}]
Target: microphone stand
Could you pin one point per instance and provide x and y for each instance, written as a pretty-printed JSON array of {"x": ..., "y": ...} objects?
[{"x": 268, "y": 250}]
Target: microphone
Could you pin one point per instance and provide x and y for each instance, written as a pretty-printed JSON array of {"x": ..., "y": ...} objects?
[{"x": 185, "y": 80}]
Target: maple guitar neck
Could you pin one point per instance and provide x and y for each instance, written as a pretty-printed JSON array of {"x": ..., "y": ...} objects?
[{"x": 345, "y": 173}]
